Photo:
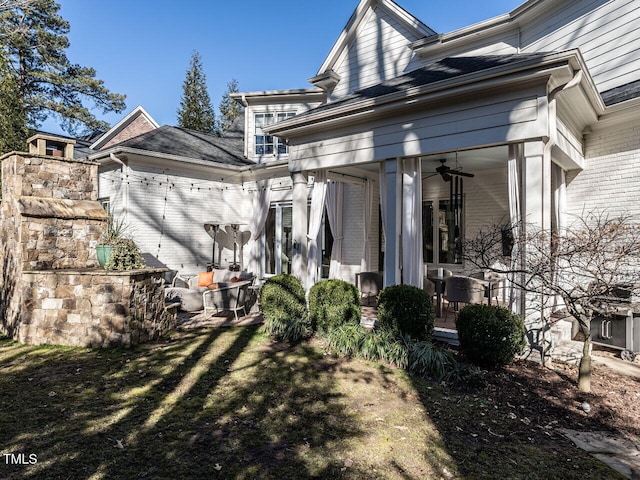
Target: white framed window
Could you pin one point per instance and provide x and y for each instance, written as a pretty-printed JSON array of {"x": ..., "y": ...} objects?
[
  {"x": 106, "y": 204},
  {"x": 268, "y": 144}
]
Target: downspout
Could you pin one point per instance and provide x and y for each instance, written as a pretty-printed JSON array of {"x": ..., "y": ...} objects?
[
  {"x": 552, "y": 110},
  {"x": 245, "y": 104},
  {"x": 125, "y": 184}
]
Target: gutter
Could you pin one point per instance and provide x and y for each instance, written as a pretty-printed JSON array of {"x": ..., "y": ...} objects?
[
  {"x": 552, "y": 111},
  {"x": 125, "y": 186}
]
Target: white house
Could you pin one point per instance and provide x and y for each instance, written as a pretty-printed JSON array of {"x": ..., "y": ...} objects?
[{"x": 540, "y": 104}]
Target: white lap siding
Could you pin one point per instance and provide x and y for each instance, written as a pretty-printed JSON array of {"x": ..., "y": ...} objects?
[{"x": 167, "y": 212}]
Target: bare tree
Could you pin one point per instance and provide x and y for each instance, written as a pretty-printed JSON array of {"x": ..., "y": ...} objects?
[{"x": 578, "y": 270}]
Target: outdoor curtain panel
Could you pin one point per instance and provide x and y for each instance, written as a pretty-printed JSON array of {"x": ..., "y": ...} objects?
[
  {"x": 315, "y": 222},
  {"x": 412, "y": 270},
  {"x": 335, "y": 201},
  {"x": 261, "y": 204},
  {"x": 514, "y": 213},
  {"x": 368, "y": 212}
]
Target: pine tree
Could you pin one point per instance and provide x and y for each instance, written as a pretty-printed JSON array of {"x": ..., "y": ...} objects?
[
  {"x": 13, "y": 116},
  {"x": 196, "y": 112},
  {"x": 229, "y": 108},
  {"x": 33, "y": 38}
]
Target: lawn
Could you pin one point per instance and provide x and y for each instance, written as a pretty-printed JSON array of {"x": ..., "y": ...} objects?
[{"x": 228, "y": 403}]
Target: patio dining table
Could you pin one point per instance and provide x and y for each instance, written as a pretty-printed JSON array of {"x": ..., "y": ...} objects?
[{"x": 439, "y": 281}]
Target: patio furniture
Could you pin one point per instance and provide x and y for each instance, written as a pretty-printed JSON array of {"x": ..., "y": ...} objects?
[
  {"x": 437, "y": 278},
  {"x": 463, "y": 289},
  {"x": 492, "y": 281},
  {"x": 185, "y": 288},
  {"x": 227, "y": 297},
  {"x": 369, "y": 283}
]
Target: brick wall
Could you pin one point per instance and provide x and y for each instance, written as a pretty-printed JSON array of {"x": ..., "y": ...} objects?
[
  {"x": 137, "y": 127},
  {"x": 612, "y": 173}
]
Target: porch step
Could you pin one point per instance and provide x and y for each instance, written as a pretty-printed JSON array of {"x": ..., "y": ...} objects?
[{"x": 446, "y": 335}]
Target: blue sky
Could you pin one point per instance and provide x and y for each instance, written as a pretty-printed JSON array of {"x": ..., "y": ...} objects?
[{"x": 142, "y": 48}]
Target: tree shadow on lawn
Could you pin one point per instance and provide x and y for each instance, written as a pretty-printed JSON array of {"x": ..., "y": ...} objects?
[
  {"x": 201, "y": 405},
  {"x": 507, "y": 428}
]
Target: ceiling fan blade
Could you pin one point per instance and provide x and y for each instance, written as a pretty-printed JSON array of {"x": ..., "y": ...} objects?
[
  {"x": 462, "y": 174},
  {"x": 429, "y": 176}
]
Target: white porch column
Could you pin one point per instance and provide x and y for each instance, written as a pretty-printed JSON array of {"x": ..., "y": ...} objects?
[
  {"x": 536, "y": 209},
  {"x": 299, "y": 227},
  {"x": 392, "y": 221}
]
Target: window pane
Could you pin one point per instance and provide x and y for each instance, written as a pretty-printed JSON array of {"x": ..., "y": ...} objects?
[
  {"x": 268, "y": 150},
  {"x": 427, "y": 231},
  {"x": 450, "y": 231}
]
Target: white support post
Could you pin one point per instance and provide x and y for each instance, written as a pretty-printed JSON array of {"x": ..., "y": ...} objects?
[{"x": 299, "y": 227}]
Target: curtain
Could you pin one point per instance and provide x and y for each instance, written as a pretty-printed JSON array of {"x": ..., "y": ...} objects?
[
  {"x": 315, "y": 222},
  {"x": 335, "y": 201},
  {"x": 383, "y": 198},
  {"x": 261, "y": 204},
  {"x": 514, "y": 218},
  {"x": 412, "y": 269},
  {"x": 368, "y": 212}
]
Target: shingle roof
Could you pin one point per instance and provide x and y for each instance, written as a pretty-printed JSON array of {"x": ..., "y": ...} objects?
[
  {"x": 228, "y": 150},
  {"x": 444, "y": 69},
  {"x": 621, "y": 93}
]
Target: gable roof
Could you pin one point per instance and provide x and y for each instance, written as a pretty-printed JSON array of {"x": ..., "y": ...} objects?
[
  {"x": 122, "y": 125},
  {"x": 395, "y": 10},
  {"x": 185, "y": 143}
]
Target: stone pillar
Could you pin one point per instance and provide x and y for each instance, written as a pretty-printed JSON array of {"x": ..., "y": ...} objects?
[{"x": 299, "y": 228}]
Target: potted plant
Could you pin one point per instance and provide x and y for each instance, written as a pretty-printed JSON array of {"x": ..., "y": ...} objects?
[{"x": 115, "y": 230}]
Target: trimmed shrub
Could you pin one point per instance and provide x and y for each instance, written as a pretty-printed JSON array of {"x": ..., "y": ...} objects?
[
  {"x": 490, "y": 335},
  {"x": 406, "y": 310},
  {"x": 284, "y": 308},
  {"x": 428, "y": 359},
  {"x": 333, "y": 303}
]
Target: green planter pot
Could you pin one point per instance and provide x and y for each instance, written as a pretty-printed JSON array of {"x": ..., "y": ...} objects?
[{"x": 103, "y": 252}]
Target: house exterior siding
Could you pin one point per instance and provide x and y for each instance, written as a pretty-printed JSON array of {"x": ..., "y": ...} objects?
[
  {"x": 609, "y": 183},
  {"x": 379, "y": 51}
]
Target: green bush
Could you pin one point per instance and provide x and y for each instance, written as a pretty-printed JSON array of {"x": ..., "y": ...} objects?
[
  {"x": 407, "y": 310},
  {"x": 284, "y": 308},
  {"x": 333, "y": 303},
  {"x": 124, "y": 256},
  {"x": 490, "y": 335}
]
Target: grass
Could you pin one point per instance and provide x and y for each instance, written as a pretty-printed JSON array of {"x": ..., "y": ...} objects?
[{"x": 228, "y": 403}]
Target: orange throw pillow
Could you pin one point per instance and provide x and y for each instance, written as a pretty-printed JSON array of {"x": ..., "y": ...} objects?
[{"x": 205, "y": 278}]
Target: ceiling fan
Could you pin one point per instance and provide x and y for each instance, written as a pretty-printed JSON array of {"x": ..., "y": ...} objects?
[{"x": 446, "y": 172}]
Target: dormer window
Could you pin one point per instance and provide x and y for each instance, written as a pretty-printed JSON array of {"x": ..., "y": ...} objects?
[{"x": 268, "y": 144}]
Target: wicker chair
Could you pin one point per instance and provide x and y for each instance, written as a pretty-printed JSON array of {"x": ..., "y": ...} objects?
[
  {"x": 230, "y": 297},
  {"x": 463, "y": 289}
]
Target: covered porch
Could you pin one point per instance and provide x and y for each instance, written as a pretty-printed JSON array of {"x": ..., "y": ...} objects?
[{"x": 513, "y": 126}]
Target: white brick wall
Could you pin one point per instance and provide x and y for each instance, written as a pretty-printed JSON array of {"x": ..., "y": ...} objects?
[{"x": 611, "y": 178}]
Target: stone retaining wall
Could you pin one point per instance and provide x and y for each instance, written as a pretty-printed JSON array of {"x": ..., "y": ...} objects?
[{"x": 93, "y": 308}]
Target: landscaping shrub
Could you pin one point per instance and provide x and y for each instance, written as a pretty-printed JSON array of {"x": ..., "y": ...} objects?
[
  {"x": 384, "y": 344},
  {"x": 490, "y": 335},
  {"x": 333, "y": 303},
  {"x": 346, "y": 339},
  {"x": 284, "y": 308},
  {"x": 407, "y": 310},
  {"x": 427, "y": 359},
  {"x": 124, "y": 256}
]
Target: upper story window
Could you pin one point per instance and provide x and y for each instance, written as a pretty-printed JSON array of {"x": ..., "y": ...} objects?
[{"x": 268, "y": 144}]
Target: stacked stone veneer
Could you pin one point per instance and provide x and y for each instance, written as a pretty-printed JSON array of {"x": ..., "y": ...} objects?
[{"x": 52, "y": 289}]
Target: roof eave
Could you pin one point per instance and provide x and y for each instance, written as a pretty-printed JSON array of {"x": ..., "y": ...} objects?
[{"x": 501, "y": 75}]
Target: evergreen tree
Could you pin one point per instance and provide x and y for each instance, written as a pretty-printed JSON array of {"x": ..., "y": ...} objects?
[
  {"x": 13, "y": 116},
  {"x": 196, "y": 112},
  {"x": 229, "y": 108},
  {"x": 33, "y": 38}
]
